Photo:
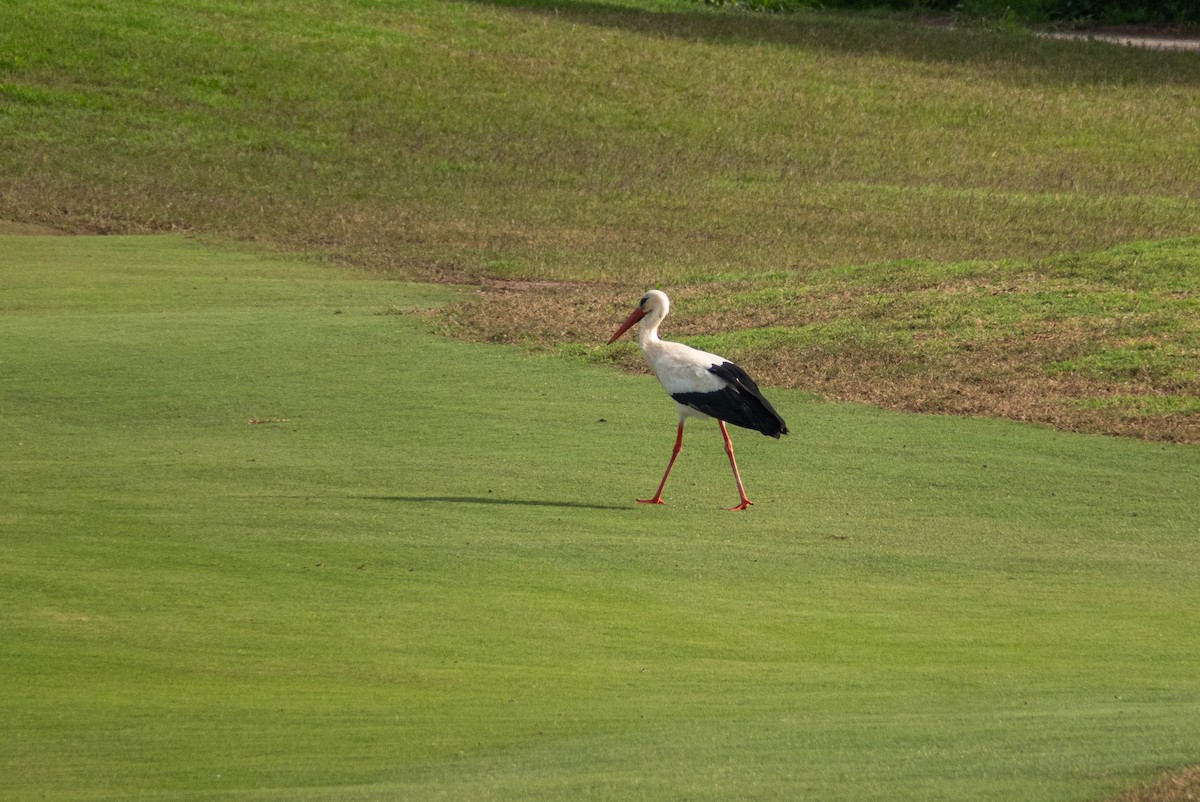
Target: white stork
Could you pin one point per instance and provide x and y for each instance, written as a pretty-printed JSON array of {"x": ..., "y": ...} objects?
[{"x": 703, "y": 385}]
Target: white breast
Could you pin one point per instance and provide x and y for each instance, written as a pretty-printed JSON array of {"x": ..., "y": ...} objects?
[{"x": 683, "y": 369}]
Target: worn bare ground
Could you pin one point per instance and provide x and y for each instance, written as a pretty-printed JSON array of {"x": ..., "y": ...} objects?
[
  {"x": 26, "y": 229},
  {"x": 1002, "y": 376},
  {"x": 1162, "y": 37},
  {"x": 1183, "y": 786}
]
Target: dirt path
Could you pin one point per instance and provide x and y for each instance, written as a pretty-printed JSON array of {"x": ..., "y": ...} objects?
[
  {"x": 1153, "y": 38},
  {"x": 1151, "y": 42}
]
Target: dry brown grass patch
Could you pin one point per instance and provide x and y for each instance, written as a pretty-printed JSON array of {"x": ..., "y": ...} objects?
[
  {"x": 892, "y": 345},
  {"x": 1183, "y": 786}
]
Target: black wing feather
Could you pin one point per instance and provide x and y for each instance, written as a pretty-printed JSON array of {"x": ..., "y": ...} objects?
[{"x": 740, "y": 402}]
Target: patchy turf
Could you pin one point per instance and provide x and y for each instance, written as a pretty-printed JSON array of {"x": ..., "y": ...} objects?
[
  {"x": 1099, "y": 342},
  {"x": 1183, "y": 786}
]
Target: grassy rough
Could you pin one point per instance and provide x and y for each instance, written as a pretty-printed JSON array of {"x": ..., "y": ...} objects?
[{"x": 631, "y": 144}]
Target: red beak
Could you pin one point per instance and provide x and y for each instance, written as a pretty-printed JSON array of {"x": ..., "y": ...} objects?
[{"x": 634, "y": 317}]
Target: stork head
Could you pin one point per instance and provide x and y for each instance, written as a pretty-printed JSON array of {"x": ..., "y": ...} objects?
[{"x": 653, "y": 304}]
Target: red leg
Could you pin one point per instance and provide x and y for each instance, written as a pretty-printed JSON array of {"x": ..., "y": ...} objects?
[
  {"x": 675, "y": 453},
  {"x": 737, "y": 477}
]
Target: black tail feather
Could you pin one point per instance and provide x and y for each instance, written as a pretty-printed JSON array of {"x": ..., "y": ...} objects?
[{"x": 740, "y": 402}]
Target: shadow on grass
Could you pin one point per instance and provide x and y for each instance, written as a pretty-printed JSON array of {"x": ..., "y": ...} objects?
[
  {"x": 1016, "y": 56},
  {"x": 520, "y": 502}
]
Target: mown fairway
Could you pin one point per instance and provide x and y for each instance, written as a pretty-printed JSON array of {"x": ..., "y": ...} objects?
[{"x": 267, "y": 538}]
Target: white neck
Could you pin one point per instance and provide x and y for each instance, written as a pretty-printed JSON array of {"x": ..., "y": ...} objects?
[{"x": 648, "y": 330}]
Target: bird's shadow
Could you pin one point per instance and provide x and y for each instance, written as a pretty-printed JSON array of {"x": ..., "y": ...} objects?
[{"x": 521, "y": 502}]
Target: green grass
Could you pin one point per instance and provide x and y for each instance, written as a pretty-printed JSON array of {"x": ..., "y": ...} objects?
[
  {"x": 411, "y": 582},
  {"x": 627, "y": 141},
  {"x": 403, "y": 581}
]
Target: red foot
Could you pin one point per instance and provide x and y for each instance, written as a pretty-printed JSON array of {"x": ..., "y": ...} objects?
[
  {"x": 745, "y": 503},
  {"x": 650, "y": 501}
]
